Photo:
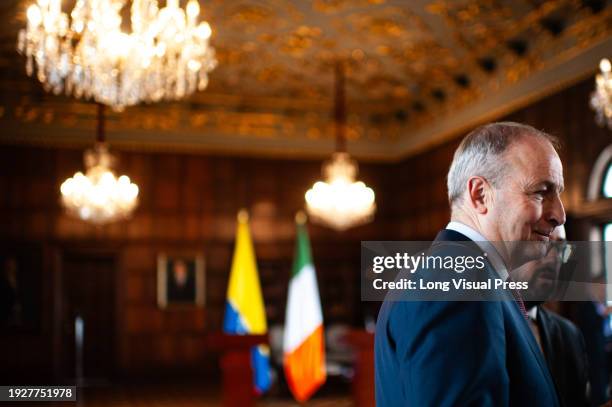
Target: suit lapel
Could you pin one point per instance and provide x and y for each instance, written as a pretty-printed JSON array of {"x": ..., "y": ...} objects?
[
  {"x": 518, "y": 319},
  {"x": 525, "y": 331}
]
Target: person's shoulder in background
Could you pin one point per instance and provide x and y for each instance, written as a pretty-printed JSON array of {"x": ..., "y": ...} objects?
[{"x": 566, "y": 356}]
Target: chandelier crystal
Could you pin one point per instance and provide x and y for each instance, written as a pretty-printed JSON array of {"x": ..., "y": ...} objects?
[
  {"x": 340, "y": 201},
  {"x": 601, "y": 98},
  {"x": 98, "y": 196},
  {"x": 166, "y": 56}
]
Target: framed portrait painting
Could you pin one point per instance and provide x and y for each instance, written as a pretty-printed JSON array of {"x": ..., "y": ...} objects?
[
  {"x": 180, "y": 280},
  {"x": 21, "y": 287}
]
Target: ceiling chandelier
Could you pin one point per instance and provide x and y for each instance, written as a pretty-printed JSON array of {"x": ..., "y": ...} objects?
[
  {"x": 601, "y": 98},
  {"x": 98, "y": 196},
  {"x": 166, "y": 56},
  {"x": 339, "y": 201}
]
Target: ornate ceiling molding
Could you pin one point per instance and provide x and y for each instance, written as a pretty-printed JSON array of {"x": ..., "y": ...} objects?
[{"x": 418, "y": 73}]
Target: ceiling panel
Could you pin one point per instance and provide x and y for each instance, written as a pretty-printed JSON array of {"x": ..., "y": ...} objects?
[{"x": 413, "y": 69}]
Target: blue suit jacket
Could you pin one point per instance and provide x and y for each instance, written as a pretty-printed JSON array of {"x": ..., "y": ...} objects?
[{"x": 453, "y": 353}]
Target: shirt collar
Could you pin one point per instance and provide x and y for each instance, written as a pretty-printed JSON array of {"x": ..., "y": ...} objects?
[
  {"x": 533, "y": 313},
  {"x": 492, "y": 254}
]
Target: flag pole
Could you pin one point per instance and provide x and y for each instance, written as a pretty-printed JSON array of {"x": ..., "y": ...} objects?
[
  {"x": 300, "y": 218},
  {"x": 243, "y": 215}
]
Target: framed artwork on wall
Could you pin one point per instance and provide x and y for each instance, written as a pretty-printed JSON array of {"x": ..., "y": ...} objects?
[
  {"x": 21, "y": 287},
  {"x": 180, "y": 280}
]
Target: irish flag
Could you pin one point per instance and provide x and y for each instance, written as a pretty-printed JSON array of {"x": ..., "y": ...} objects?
[{"x": 303, "y": 343}]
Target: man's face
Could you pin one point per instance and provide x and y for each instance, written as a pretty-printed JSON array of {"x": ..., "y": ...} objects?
[
  {"x": 526, "y": 207},
  {"x": 180, "y": 272}
]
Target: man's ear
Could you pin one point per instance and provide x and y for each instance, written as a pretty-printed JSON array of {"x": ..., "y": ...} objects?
[{"x": 477, "y": 190}]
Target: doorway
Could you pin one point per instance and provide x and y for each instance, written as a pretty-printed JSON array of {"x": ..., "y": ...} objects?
[{"x": 88, "y": 291}]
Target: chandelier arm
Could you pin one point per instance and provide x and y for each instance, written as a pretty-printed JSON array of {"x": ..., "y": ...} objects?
[{"x": 340, "y": 109}]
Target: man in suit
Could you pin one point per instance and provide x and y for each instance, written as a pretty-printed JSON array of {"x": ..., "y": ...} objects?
[
  {"x": 592, "y": 317},
  {"x": 565, "y": 352},
  {"x": 560, "y": 340},
  {"x": 504, "y": 187}
]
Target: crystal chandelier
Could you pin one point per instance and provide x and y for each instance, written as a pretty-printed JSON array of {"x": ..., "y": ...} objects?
[
  {"x": 339, "y": 201},
  {"x": 165, "y": 57},
  {"x": 601, "y": 98},
  {"x": 98, "y": 196}
]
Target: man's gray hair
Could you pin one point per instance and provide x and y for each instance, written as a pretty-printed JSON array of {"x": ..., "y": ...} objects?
[{"x": 480, "y": 154}]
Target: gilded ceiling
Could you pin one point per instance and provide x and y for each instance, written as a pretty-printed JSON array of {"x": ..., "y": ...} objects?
[{"x": 409, "y": 64}]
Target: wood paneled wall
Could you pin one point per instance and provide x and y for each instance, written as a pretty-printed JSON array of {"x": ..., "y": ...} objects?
[
  {"x": 189, "y": 203},
  {"x": 421, "y": 180}
]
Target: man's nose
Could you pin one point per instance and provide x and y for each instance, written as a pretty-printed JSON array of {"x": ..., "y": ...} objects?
[{"x": 556, "y": 212}]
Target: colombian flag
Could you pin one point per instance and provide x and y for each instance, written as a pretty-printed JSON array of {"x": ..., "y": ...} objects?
[{"x": 244, "y": 310}]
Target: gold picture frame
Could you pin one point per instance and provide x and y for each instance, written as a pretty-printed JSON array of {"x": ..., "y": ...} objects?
[{"x": 180, "y": 280}]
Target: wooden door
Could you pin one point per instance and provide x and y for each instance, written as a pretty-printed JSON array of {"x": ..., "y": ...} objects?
[{"x": 88, "y": 289}]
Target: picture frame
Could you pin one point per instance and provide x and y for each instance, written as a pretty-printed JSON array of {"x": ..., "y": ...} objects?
[
  {"x": 180, "y": 280},
  {"x": 21, "y": 287}
]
